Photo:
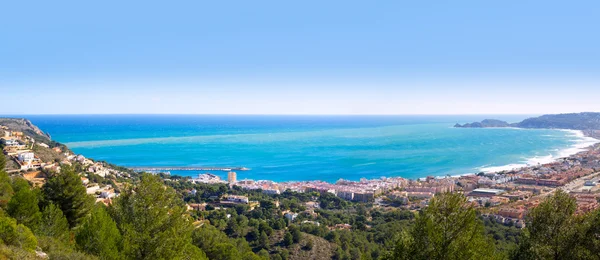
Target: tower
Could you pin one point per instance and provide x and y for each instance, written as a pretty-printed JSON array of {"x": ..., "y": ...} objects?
[{"x": 231, "y": 177}]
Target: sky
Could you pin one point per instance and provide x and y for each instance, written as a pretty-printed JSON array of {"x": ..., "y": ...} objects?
[{"x": 299, "y": 57}]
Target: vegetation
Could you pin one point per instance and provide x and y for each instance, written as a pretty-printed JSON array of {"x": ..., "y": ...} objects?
[
  {"x": 6, "y": 190},
  {"x": 447, "y": 229},
  {"x": 67, "y": 192},
  {"x": 149, "y": 220}
]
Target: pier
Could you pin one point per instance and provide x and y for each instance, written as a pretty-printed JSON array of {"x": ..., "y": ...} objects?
[{"x": 176, "y": 168}]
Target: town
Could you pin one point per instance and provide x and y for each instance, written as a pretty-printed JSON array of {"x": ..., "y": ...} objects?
[{"x": 502, "y": 196}]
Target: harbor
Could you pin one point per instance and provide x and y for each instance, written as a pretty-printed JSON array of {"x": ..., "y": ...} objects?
[{"x": 186, "y": 168}]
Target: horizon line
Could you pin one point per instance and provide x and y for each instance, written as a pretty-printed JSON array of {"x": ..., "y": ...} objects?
[{"x": 230, "y": 114}]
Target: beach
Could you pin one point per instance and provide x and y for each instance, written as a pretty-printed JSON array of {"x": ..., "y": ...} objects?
[{"x": 293, "y": 148}]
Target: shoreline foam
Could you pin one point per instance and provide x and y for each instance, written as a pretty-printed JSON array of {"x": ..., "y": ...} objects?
[{"x": 582, "y": 144}]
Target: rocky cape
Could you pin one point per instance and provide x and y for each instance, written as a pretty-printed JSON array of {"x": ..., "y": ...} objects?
[{"x": 575, "y": 121}]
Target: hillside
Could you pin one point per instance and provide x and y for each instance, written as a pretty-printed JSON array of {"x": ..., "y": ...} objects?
[
  {"x": 10, "y": 126},
  {"x": 321, "y": 248},
  {"x": 575, "y": 121},
  {"x": 25, "y": 126}
]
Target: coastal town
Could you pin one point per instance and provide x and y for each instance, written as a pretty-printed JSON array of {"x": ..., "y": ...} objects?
[{"x": 504, "y": 197}]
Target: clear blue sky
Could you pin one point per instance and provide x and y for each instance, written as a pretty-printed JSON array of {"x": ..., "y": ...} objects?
[{"x": 307, "y": 57}]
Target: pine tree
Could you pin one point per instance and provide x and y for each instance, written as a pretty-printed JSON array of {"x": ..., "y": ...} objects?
[
  {"x": 98, "y": 235},
  {"x": 252, "y": 235},
  {"x": 152, "y": 221},
  {"x": 68, "y": 193},
  {"x": 288, "y": 240},
  {"x": 6, "y": 190},
  {"x": 296, "y": 233},
  {"x": 263, "y": 241},
  {"x": 23, "y": 207},
  {"x": 15, "y": 234},
  {"x": 54, "y": 224},
  {"x": 447, "y": 229},
  {"x": 553, "y": 230}
]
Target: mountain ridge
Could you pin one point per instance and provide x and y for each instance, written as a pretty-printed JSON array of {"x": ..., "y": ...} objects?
[{"x": 574, "y": 121}]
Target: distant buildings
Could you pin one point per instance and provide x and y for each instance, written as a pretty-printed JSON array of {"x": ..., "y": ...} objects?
[
  {"x": 235, "y": 199},
  {"x": 485, "y": 192},
  {"x": 207, "y": 178}
]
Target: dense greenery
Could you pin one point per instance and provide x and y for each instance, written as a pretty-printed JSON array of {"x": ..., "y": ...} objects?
[
  {"x": 68, "y": 193},
  {"x": 152, "y": 221},
  {"x": 447, "y": 229},
  {"x": 6, "y": 190},
  {"x": 149, "y": 220}
]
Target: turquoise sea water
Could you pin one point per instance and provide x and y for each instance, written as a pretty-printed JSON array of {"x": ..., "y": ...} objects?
[{"x": 285, "y": 148}]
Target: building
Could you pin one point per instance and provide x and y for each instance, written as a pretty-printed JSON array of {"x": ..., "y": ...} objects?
[
  {"x": 485, "y": 192},
  {"x": 364, "y": 196},
  {"x": 347, "y": 195},
  {"x": 291, "y": 216},
  {"x": 236, "y": 199},
  {"x": 26, "y": 157},
  {"x": 517, "y": 213},
  {"x": 12, "y": 143},
  {"x": 271, "y": 191},
  {"x": 231, "y": 177}
]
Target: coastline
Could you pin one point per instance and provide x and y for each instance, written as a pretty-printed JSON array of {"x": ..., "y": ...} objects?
[{"x": 586, "y": 142}]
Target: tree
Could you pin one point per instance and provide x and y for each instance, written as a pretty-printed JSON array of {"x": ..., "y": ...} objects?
[
  {"x": 6, "y": 190},
  {"x": 288, "y": 240},
  {"x": 553, "y": 231},
  {"x": 264, "y": 254},
  {"x": 192, "y": 252},
  {"x": 447, "y": 229},
  {"x": 152, "y": 221},
  {"x": 285, "y": 254},
  {"x": 23, "y": 206},
  {"x": 263, "y": 241},
  {"x": 592, "y": 234},
  {"x": 68, "y": 193},
  {"x": 19, "y": 183},
  {"x": 253, "y": 235},
  {"x": 54, "y": 223},
  {"x": 264, "y": 227},
  {"x": 232, "y": 228},
  {"x": 98, "y": 235},
  {"x": 214, "y": 242},
  {"x": 309, "y": 244},
  {"x": 296, "y": 233},
  {"x": 17, "y": 235}
]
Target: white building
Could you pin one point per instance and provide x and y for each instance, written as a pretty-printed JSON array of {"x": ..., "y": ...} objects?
[
  {"x": 236, "y": 199},
  {"x": 271, "y": 191},
  {"x": 26, "y": 157},
  {"x": 291, "y": 216}
]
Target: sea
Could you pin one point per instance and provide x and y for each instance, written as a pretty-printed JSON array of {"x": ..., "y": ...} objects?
[{"x": 302, "y": 148}]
